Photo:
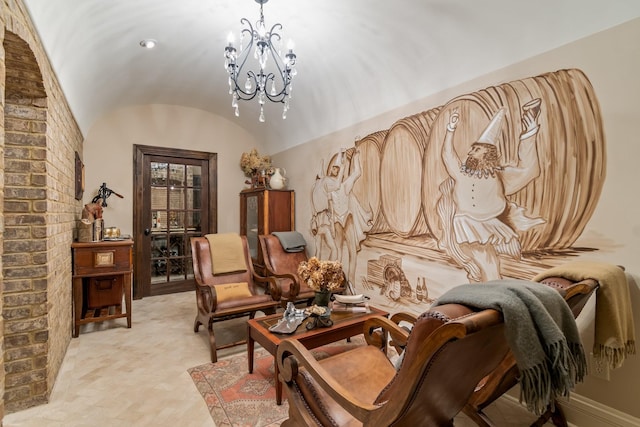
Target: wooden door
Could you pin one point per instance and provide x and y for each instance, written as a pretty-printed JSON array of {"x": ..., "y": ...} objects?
[{"x": 175, "y": 199}]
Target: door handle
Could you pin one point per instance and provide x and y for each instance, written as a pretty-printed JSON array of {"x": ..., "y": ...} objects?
[{"x": 147, "y": 231}]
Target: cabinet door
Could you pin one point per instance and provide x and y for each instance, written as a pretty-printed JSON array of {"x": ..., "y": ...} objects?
[
  {"x": 253, "y": 222},
  {"x": 263, "y": 212}
]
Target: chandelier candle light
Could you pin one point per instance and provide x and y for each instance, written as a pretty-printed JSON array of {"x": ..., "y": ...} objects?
[{"x": 273, "y": 84}]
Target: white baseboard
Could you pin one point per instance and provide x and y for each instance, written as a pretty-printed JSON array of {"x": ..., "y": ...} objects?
[{"x": 583, "y": 412}]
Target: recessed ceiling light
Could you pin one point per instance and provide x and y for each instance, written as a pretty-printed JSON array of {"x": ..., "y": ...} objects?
[{"x": 148, "y": 43}]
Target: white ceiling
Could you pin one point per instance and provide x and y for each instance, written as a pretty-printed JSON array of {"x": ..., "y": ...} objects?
[{"x": 356, "y": 58}]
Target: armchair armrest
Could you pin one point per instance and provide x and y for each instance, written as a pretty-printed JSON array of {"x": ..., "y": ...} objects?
[
  {"x": 400, "y": 342},
  {"x": 294, "y": 288},
  {"x": 269, "y": 284},
  {"x": 378, "y": 329}
]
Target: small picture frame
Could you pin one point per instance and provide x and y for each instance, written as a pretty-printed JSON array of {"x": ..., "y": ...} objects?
[{"x": 79, "y": 177}]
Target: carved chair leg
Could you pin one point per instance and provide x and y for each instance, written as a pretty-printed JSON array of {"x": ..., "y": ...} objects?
[
  {"x": 556, "y": 415},
  {"x": 196, "y": 325},
  {"x": 478, "y": 417},
  {"x": 212, "y": 343}
]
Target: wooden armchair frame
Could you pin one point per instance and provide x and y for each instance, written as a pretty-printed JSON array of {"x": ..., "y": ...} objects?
[
  {"x": 283, "y": 267},
  {"x": 210, "y": 310},
  {"x": 450, "y": 348},
  {"x": 505, "y": 376}
]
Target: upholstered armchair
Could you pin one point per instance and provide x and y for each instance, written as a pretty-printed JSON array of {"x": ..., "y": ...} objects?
[
  {"x": 227, "y": 286},
  {"x": 283, "y": 267},
  {"x": 448, "y": 351}
]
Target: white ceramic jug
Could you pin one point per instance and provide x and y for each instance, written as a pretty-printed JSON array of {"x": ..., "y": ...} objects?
[{"x": 277, "y": 180}]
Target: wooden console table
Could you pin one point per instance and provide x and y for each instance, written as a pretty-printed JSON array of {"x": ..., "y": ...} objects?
[{"x": 101, "y": 274}]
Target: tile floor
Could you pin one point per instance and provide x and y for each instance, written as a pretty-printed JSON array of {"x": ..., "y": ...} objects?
[{"x": 112, "y": 376}]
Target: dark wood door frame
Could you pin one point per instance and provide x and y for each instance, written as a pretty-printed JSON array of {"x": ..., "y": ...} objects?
[{"x": 141, "y": 216}]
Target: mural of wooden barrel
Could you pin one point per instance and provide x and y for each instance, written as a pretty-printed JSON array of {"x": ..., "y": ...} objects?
[
  {"x": 366, "y": 189},
  {"x": 570, "y": 144},
  {"x": 401, "y": 175}
]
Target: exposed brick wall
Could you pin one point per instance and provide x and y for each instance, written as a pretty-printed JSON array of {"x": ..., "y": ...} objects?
[
  {"x": 38, "y": 139},
  {"x": 2, "y": 92},
  {"x": 25, "y": 250}
]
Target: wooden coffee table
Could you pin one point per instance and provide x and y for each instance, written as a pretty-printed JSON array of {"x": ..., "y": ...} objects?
[{"x": 345, "y": 325}]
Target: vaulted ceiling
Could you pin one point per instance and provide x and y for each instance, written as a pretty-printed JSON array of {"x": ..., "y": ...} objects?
[{"x": 356, "y": 58}]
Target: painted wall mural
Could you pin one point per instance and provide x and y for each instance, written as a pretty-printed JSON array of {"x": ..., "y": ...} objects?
[{"x": 496, "y": 183}]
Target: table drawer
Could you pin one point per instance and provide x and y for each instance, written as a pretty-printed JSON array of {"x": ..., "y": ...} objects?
[{"x": 101, "y": 260}]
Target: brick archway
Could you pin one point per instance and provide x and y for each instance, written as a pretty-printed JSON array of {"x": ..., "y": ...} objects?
[{"x": 25, "y": 257}]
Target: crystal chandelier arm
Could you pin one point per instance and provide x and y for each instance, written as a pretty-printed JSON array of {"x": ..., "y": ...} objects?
[
  {"x": 237, "y": 70},
  {"x": 279, "y": 64}
]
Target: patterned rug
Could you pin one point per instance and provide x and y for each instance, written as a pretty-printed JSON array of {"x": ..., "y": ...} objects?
[{"x": 239, "y": 399}]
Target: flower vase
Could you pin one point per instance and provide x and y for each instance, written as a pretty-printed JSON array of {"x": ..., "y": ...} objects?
[{"x": 322, "y": 298}]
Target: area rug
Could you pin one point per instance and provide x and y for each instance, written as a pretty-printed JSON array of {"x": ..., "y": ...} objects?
[{"x": 239, "y": 399}]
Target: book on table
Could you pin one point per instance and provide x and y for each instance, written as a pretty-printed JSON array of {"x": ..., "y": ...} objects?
[{"x": 362, "y": 307}]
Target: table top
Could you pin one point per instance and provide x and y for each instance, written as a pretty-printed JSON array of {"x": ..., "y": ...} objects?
[
  {"x": 102, "y": 243},
  {"x": 341, "y": 320}
]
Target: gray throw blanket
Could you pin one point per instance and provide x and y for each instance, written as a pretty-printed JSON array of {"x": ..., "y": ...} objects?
[
  {"x": 291, "y": 241},
  {"x": 541, "y": 332}
]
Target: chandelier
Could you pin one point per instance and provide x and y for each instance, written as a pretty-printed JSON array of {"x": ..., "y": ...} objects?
[{"x": 267, "y": 84}]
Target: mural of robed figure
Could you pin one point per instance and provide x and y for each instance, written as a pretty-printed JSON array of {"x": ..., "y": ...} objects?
[{"x": 339, "y": 220}]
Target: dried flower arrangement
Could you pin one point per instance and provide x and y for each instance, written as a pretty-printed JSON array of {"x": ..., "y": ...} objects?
[
  {"x": 321, "y": 275},
  {"x": 252, "y": 162}
]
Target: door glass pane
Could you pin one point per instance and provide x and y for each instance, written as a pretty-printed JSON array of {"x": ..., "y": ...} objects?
[
  {"x": 159, "y": 257},
  {"x": 177, "y": 256},
  {"x": 176, "y": 175},
  {"x": 193, "y": 221},
  {"x": 176, "y": 221},
  {"x": 194, "y": 176},
  {"x": 159, "y": 173},
  {"x": 194, "y": 198},
  {"x": 158, "y": 198},
  {"x": 252, "y": 225},
  {"x": 176, "y": 198}
]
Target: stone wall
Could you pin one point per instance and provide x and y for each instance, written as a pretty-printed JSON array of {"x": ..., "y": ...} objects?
[{"x": 38, "y": 214}]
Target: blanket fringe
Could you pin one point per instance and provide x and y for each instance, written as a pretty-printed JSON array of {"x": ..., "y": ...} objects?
[
  {"x": 565, "y": 366},
  {"x": 614, "y": 357}
]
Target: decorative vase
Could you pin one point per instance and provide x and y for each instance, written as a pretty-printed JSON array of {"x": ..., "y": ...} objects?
[
  {"x": 277, "y": 180},
  {"x": 258, "y": 179},
  {"x": 322, "y": 298}
]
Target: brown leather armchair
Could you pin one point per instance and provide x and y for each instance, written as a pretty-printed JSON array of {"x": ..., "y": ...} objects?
[
  {"x": 212, "y": 308},
  {"x": 283, "y": 266},
  {"x": 449, "y": 350},
  {"x": 505, "y": 376}
]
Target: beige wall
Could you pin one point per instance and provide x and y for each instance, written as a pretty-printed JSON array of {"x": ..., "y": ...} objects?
[
  {"x": 109, "y": 155},
  {"x": 611, "y": 61}
]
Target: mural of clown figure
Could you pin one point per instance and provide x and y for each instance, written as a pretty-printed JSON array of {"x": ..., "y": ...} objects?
[{"x": 484, "y": 223}]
